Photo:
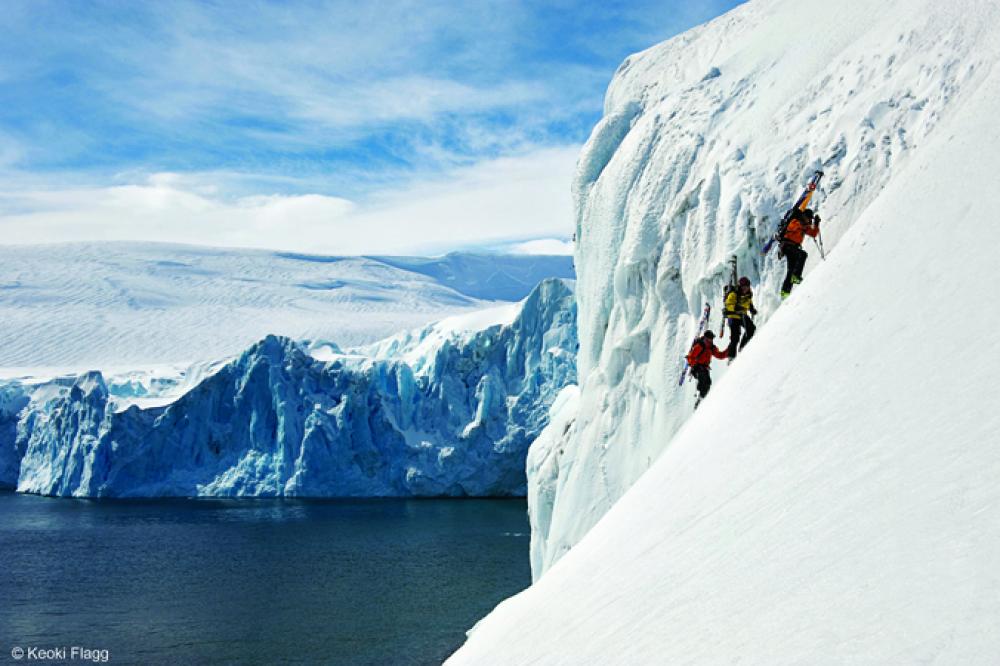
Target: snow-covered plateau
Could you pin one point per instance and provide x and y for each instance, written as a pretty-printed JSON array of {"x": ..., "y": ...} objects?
[
  {"x": 449, "y": 409},
  {"x": 113, "y": 305},
  {"x": 835, "y": 498}
]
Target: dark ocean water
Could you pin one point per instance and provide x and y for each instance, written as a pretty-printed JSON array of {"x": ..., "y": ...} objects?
[{"x": 255, "y": 581}]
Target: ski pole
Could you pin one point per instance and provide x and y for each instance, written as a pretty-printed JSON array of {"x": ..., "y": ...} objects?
[{"x": 819, "y": 243}]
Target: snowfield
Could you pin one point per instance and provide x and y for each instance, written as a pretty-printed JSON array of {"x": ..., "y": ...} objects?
[
  {"x": 835, "y": 499},
  {"x": 82, "y": 306}
]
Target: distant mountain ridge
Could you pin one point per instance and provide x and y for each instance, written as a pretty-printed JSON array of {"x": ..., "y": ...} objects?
[{"x": 483, "y": 276}]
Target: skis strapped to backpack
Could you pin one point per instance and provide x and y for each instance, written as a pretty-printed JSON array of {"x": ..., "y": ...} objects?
[
  {"x": 702, "y": 323},
  {"x": 801, "y": 204},
  {"x": 728, "y": 289}
]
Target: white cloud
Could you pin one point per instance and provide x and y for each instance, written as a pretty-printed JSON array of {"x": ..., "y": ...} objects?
[
  {"x": 326, "y": 71},
  {"x": 499, "y": 200},
  {"x": 541, "y": 246},
  {"x": 406, "y": 98}
]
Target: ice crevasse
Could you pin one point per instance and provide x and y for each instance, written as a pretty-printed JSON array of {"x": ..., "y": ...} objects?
[{"x": 441, "y": 411}]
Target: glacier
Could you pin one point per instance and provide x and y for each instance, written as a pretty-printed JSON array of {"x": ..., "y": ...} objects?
[
  {"x": 441, "y": 411},
  {"x": 834, "y": 499},
  {"x": 120, "y": 306},
  {"x": 705, "y": 141}
]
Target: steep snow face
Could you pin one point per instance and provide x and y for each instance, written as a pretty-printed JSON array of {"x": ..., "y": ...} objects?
[
  {"x": 706, "y": 140},
  {"x": 279, "y": 422},
  {"x": 82, "y": 306},
  {"x": 835, "y": 498}
]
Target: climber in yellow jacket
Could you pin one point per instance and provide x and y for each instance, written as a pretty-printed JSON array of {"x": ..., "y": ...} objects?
[{"x": 739, "y": 308}]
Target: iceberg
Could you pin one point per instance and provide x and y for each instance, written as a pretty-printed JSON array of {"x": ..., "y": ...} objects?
[{"x": 455, "y": 419}]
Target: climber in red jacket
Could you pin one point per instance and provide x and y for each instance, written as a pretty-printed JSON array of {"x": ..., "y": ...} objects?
[{"x": 699, "y": 357}]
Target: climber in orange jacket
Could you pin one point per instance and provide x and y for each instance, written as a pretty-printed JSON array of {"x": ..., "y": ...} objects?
[
  {"x": 803, "y": 223},
  {"x": 700, "y": 356}
]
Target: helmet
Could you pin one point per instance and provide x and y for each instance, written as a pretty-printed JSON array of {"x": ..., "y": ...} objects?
[
  {"x": 709, "y": 335},
  {"x": 809, "y": 213},
  {"x": 744, "y": 281}
]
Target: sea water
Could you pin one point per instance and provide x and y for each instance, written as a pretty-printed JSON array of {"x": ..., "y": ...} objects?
[{"x": 254, "y": 581}]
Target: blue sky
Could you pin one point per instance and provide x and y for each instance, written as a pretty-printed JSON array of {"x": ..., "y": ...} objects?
[{"x": 302, "y": 124}]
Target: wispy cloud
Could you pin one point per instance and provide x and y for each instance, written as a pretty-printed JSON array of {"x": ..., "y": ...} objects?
[
  {"x": 207, "y": 82},
  {"x": 495, "y": 200},
  {"x": 306, "y": 104}
]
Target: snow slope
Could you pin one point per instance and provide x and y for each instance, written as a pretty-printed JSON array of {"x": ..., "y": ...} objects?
[
  {"x": 87, "y": 305},
  {"x": 278, "y": 421},
  {"x": 835, "y": 499},
  {"x": 706, "y": 140}
]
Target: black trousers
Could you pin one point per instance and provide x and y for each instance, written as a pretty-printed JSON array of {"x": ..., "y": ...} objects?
[
  {"x": 745, "y": 325},
  {"x": 701, "y": 373},
  {"x": 796, "y": 258}
]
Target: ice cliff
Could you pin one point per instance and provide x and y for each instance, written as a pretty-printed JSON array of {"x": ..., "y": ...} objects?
[
  {"x": 705, "y": 141},
  {"x": 835, "y": 498},
  {"x": 454, "y": 418}
]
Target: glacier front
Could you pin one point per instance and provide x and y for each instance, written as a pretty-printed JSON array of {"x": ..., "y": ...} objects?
[{"x": 454, "y": 418}]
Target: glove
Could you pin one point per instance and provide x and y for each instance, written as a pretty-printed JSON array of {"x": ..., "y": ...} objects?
[
  {"x": 816, "y": 220},
  {"x": 753, "y": 311}
]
